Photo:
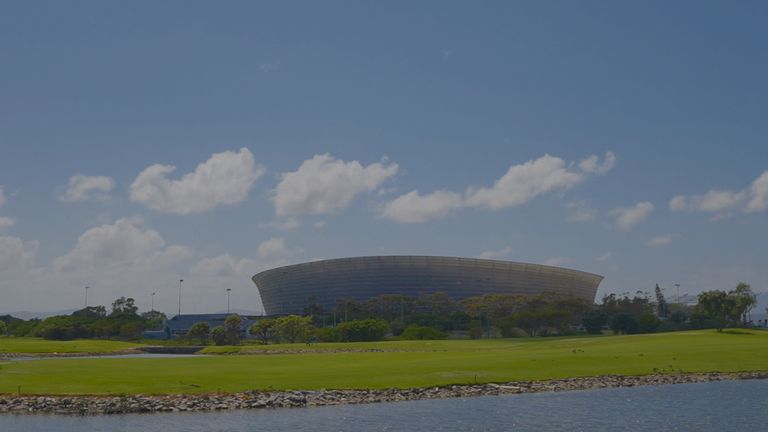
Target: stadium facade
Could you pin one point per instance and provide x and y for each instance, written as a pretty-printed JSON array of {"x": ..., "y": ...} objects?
[{"x": 287, "y": 290}]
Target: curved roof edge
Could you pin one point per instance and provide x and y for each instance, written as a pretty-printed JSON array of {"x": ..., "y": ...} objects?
[{"x": 320, "y": 262}]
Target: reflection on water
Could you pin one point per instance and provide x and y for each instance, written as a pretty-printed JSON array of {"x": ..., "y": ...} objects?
[{"x": 716, "y": 406}]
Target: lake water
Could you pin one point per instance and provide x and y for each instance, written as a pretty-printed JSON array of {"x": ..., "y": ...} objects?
[{"x": 718, "y": 406}]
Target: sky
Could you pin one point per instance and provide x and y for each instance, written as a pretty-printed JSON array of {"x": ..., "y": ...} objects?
[{"x": 142, "y": 143}]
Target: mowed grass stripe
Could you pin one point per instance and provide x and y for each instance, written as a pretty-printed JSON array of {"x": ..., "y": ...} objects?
[{"x": 424, "y": 364}]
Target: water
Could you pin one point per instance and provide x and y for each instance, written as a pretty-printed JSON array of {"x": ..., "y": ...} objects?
[{"x": 718, "y": 406}]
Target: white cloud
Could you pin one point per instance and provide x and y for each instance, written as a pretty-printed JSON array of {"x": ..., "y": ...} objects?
[
  {"x": 276, "y": 248},
  {"x": 604, "y": 257},
  {"x": 225, "y": 266},
  {"x": 714, "y": 201},
  {"x": 661, "y": 240},
  {"x": 2, "y": 196},
  {"x": 325, "y": 184},
  {"x": 557, "y": 261},
  {"x": 626, "y": 217},
  {"x": 758, "y": 194},
  {"x": 6, "y": 223},
  {"x": 82, "y": 188},
  {"x": 319, "y": 224},
  {"x": 495, "y": 254},
  {"x": 592, "y": 164},
  {"x": 517, "y": 186},
  {"x": 124, "y": 244},
  {"x": 414, "y": 208},
  {"x": 224, "y": 179},
  {"x": 579, "y": 211},
  {"x": 289, "y": 224},
  {"x": 524, "y": 182},
  {"x": 16, "y": 254},
  {"x": 723, "y": 202}
]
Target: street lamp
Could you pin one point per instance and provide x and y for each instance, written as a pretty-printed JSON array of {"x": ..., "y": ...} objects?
[
  {"x": 678, "y": 292},
  {"x": 180, "y": 281},
  {"x": 228, "y": 291},
  {"x": 86, "y": 297},
  {"x": 153, "y": 302}
]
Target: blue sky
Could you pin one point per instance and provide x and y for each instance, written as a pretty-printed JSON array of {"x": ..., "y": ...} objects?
[{"x": 625, "y": 139}]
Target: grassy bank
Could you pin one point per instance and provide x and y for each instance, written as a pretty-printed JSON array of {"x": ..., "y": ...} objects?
[
  {"x": 400, "y": 364},
  {"x": 42, "y": 346}
]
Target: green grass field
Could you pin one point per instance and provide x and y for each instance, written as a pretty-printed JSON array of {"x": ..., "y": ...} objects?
[
  {"x": 42, "y": 346},
  {"x": 412, "y": 364}
]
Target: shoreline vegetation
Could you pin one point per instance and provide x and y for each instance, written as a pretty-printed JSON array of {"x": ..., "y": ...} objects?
[{"x": 96, "y": 405}]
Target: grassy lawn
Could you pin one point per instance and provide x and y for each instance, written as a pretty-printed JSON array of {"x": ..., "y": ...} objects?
[
  {"x": 41, "y": 346},
  {"x": 403, "y": 364}
]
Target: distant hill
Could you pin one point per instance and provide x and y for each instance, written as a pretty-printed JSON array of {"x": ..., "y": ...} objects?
[{"x": 42, "y": 315}]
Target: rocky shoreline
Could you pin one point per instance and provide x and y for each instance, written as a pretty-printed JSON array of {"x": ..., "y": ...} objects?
[{"x": 90, "y": 405}]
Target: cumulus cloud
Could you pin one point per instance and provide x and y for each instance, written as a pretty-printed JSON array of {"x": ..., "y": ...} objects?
[
  {"x": 82, "y": 188},
  {"x": 495, "y": 254},
  {"x": 289, "y": 224},
  {"x": 627, "y": 217},
  {"x": 524, "y": 182},
  {"x": 276, "y": 248},
  {"x": 714, "y": 201},
  {"x": 414, "y": 208},
  {"x": 579, "y": 211},
  {"x": 661, "y": 240},
  {"x": 125, "y": 243},
  {"x": 723, "y": 202},
  {"x": 16, "y": 254},
  {"x": 758, "y": 194},
  {"x": 518, "y": 185},
  {"x": 592, "y": 164},
  {"x": 325, "y": 184},
  {"x": 224, "y": 179},
  {"x": 225, "y": 266}
]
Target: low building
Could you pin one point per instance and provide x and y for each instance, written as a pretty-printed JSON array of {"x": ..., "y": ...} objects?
[{"x": 179, "y": 325}]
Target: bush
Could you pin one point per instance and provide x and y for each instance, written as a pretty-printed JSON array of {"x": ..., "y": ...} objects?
[
  {"x": 325, "y": 334},
  {"x": 3, "y": 328},
  {"x": 624, "y": 323},
  {"x": 219, "y": 335},
  {"x": 200, "y": 330},
  {"x": 367, "y": 330},
  {"x": 131, "y": 330},
  {"x": 593, "y": 321},
  {"x": 417, "y": 332},
  {"x": 648, "y": 323}
]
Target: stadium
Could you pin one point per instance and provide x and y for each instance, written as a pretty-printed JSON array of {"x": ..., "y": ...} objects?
[{"x": 287, "y": 290}]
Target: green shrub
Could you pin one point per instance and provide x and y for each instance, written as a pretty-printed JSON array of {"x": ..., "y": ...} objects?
[
  {"x": 367, "y": 330},
  {"x": 219, "y": 335},
  {"x": 417, "y": 332}
]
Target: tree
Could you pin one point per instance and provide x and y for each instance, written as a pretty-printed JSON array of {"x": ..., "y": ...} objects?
[
  {"x": 743, "y": 302},
  {"x": 662, "y": 308},
  {"x": 232, "y": 326},
  {"x": 124, "y": 306},
  {"x": 293, "y": 328},
  {"x": 91, "y": 312},
  {"x": 593, "y": 321},
  {"x": 218, "y": 335},
  {"x": 264, "y": 330},
  {"x": 718, "y": 306},
  {"x": 200, "y": 330},
  {"x": 624, "y": 323},
  {"x": 131, "y": 330},
  {"x": 3, "y": 328}
]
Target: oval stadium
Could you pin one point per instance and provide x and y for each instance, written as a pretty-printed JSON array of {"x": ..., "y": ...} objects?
[{"x": 287, "y": 290}]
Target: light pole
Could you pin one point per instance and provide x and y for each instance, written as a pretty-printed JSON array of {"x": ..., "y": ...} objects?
[
  {"x": 86, "y": 297},
  {"x": 678, "y": 292},
  {"x": 228, "y": 291},
  {"x": 153, "y": 302},
  {"x": 180, "y": 281}
]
